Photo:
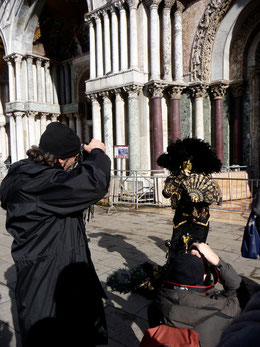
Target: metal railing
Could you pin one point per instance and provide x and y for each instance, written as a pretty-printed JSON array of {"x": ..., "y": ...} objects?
[{"x": 144, "y": 188}]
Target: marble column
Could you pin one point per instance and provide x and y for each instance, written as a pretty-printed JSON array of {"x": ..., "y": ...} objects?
[
  {"x": 133, "y": 33},
  {"x": 43, "y": 122},
  {"x": 218, "y": 92},
  {"x": 99, "y": 43},
  {"x": 108, "y": 126},
  {"x": 237, "y": 95},
  {"x": 156, "y": 123},
  {"x": 92, "y": 48},
  {"x": 199, "y": 92},
  {"x": 62, "y": 85},
  {"x": 39, "y": 80},
  {"x": 17, "y": 64},
  {"x": 19, "y": 135},
  {"x": 47, "y": 81},
  {"x": 175, "y": 112},
  {"x": 72, "y": 123},
  {"x": 55, "y": 84},
  {"x": 3, "y": 149},
  {"x": 31, "y": 128},
  {"x": 120, "y": 125},
  {"x": 30, "y": 87},
  {"x": 178, "y": 56},
  {"x": 54, "y": 117},
  {"x": 78, "y": 126},
  {"x": 96, "y": 116},
  {"x": 107, "y": 41},
  {"x": 133, "y": 126},
  {"x": 123, "y": 36},
  {"x": 154, "y": 39},
  {"x": 115, "y": 48},
  {"x": 11, "y": 79},
  {"x": 167, "y": 40},
  {"x": 13, "y": 140}
]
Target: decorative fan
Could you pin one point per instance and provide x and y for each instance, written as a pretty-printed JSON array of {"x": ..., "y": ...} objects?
[{"x": 202, "y": 188}]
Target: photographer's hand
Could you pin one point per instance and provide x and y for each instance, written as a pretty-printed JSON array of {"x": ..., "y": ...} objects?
[
  {"x": 208, "y": 253},
  {"x": 94, "y": 143}
]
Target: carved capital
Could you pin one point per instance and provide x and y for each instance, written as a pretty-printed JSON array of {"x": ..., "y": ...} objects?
[
  {"x": 120, "y": 4},
  {"x": 92, "y": 97},
  {"x": 105, "y": 95},
  {"x": 219, "y": 90},
  {"x": 156, "y": 89},
  {"x": 168, "y": 4},
  {"x": 132, "y": 4},
  {"x": 133, "y": 90},
  {"x": 32, "y": 114},
  {"x": 199, "y": 90},
  {"x": 155, "y": 3},
  {"x": 175, "y": 92},
  {"x": 18, "y": 114},
  {"x": 17, "y": 58},
  {"x": 179, "y": 6}
]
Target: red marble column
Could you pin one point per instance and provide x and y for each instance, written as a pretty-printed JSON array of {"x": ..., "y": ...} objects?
[
  {"x": 219, "y": 91},
  {"x": 156, "y": 131},
  {"x": 175, "y": 113}
]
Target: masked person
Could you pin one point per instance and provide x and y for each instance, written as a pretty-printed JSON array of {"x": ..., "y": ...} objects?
[
  {"x": 188, "y": 298},
  {"x": 191, "y": 189},
  {"x": 45, "y": 196}
]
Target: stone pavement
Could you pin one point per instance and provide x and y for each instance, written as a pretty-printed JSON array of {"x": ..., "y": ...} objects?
[{"x": 123, "y": 239}]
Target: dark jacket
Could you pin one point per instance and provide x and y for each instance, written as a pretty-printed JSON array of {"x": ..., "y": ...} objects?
[
  {"x": 208, "y": 314},
  {"x": 45, "y": 217}
]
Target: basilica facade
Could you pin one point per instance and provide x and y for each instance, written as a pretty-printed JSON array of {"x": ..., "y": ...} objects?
[{"x": 133, "y": 73}]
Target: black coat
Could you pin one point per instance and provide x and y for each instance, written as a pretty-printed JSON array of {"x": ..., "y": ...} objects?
[
  {"x": 45, "y": 217},
  {"x": 208, "y": 314}
]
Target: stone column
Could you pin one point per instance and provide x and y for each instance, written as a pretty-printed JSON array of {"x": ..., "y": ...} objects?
[
  {"x": 72, "y": 124},
  {"x": 120, "y": 124},
  {"x": 133, "y": 126},
  {"x": 55, "y": 84},
  {"x": 92, "y": 48},
  {"x": 198, "y": 92},
  {"x": 154, "y": 39},
  {"x": 31, "y": 128},
  {"x": 156, "y": 123},
  {"x": 78, "y": 126},
  {"x": 43, "y": 122},
  {"x": 167, "y": 40},
  {"x": 115, "y": 49},
  {"x": 107, "y": 41},
  {"x": 19, "y": 135},
  {"x": 178, "y": 58},
  {"x": 218, "y": 92},
  {"x": 123, "y": 36},
  {"x": 99, "y": 42},
  {"x": 3, "y": 149},
  {"x": 47, "y": 81},
  {"x": 17, "y": 62},
  {"x": 30, "y": 89},
  {"x": 54, "y": 117},
  {"x": 108, "y": 126},
  {"x": 11, "y": 79},
  {"x": 39, "y": 80},
  {"x": 133, "y": 33},
  {"x": 96, "y": 116},
  {"x": 62, "y": 85},
  {"x": 13, "y": 140},
  {"x": 237, "y": 94},
  {"x": 175, "y": 112}
]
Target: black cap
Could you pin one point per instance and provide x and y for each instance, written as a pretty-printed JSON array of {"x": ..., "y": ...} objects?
[
  {"x": 187, "y": 269},
  {"x": 60, "y": 140}
]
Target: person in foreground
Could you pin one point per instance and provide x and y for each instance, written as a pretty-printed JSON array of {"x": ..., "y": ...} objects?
[
  {"x": 187, "y": 300},
  {"x": 45, "y": 196}
]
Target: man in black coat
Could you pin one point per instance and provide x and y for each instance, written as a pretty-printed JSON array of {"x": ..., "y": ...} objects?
[
  {"x": 187, "y": 301},
  {"x": 45, "y": 196}
]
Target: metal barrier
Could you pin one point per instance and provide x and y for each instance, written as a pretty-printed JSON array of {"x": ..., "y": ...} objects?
[{"x": 143, "y": 188}]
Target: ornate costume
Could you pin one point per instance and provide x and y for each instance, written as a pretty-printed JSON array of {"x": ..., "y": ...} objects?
[{"x": 191, "y": 188}]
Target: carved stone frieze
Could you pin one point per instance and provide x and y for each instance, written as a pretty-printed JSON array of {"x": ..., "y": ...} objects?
[
  {"x": 199, "y": 90},
  {"x": 204, "y": 39},
  {"x": 218, "y": 90}
]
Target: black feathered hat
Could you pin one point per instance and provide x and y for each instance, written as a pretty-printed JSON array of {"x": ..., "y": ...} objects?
[{"x": 200, "y": 153}]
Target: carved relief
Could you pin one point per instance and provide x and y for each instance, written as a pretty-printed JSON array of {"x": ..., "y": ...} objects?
[{"x": 204, "y": 39}]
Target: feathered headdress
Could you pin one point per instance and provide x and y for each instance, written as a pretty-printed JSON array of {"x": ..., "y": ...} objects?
[{"x": 198, "y": 153}]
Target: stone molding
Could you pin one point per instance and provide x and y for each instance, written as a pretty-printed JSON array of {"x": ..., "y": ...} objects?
[{"x": 204, "y": 39}]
